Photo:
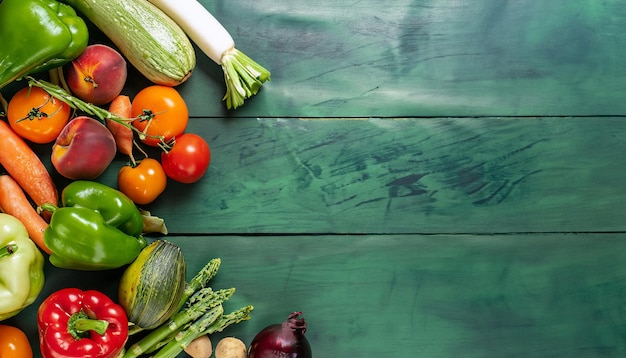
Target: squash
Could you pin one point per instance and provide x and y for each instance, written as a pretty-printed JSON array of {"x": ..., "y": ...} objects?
[
  {"x": 152, "y": 286},
  {"x": 151, "y": 41}
]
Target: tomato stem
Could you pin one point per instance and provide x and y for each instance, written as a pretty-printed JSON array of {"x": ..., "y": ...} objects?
[
  {"x": 146, "y": 115},
  {"x": 89, "y": 108},
  {"x": 167, "y": 146}
]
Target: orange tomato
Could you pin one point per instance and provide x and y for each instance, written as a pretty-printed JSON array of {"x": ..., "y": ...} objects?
[
  {"x": 160, "y": 111},
  {"x": 36, "y": 116},
  {"x": 14, "y": 343},
  {"x": 144, "y": 182}
]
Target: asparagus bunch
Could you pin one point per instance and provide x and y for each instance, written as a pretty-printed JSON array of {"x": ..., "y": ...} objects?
[{"x": 200, "y": 312}]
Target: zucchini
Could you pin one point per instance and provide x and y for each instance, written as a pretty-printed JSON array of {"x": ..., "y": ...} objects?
[
  {"x": 150, "y": 40},
  {"x": 152, "y": 286}
]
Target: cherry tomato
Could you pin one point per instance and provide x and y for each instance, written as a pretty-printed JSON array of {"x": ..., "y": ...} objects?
[
  {"x": 188, "y": 159},
  {"x": 160, "y": 111},
  {"x": 36, "y": 116},
  {"x": 14, "y": 343},
  {"x": 144, "y": 182}
]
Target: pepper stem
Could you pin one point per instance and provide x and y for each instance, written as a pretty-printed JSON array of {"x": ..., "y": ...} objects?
[
  {"x": 8, "y": 250},
  {"x": 79, "y": 325}
]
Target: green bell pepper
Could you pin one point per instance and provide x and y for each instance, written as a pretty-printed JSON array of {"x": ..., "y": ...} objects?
[
  {"x": 117, "y": 209},
  {"x": 38, "y": 35},
  {"x": 97, "y": 228},
  {"x": 21, "y": 267}
]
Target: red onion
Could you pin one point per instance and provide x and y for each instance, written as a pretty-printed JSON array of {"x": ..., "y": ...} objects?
[{"x": 284, "y": 340}]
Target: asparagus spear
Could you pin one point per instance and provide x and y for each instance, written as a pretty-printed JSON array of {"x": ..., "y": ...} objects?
[
  {"x": 200, "y": 280},
  {"x": 201, "y": 327},
  {"x": 172, "y": 348},
  {"x": 204, "y": 300},
  {"x": 201, "y": 295}
]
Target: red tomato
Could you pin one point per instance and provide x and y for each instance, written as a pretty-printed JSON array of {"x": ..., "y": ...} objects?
[
  {"x": 36, "y": 116},
  {"x": 188, "y": 159},
  {"x": 144, "y": 182},
  {"x": 160, "y": 111}
]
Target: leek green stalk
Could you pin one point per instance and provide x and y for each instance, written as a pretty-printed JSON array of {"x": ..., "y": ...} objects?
[{"x": 243, "y": 76}]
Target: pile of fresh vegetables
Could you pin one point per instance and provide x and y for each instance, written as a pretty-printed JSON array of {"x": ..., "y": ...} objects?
[
  {"x": 81, "y": 112},
  {"x": 153, "y": 35}
]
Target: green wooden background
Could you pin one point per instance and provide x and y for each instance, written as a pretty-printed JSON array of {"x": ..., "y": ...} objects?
[{"x": 421, "y": 178}]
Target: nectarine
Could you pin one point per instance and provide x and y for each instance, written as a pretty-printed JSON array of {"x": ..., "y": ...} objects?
[
  {"x": 98, "y": 75},
  {"x": 83, "y": 149}
]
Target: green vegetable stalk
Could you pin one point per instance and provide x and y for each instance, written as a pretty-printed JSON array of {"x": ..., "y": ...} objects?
[
  {"x": 200, "y": 280},
  {"x": 38, "y": 35},
  {"x": 201, "y": 312},
  {"x": 167, "y": 332},
  {"x": 89, "y": 108},
  {"x": 242, "y": 75},
  {"x": 208, "y": 324}
]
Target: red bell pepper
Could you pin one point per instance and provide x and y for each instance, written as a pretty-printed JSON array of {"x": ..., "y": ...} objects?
[{"x": 85, "y": 324}]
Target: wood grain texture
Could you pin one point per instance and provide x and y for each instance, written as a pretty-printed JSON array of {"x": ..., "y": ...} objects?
[
  {"x": 405, "y": 175},
  {"x": 419, "y": 58},
  {"x": 428, "y": 178},
  {"x": 424, "y": 58},
  {"x": 539, "y": 295}
]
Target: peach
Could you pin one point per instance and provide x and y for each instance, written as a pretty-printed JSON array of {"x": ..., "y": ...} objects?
[
  {"x": 84, "y": 149},
  {"x": 98, "y": 75}
]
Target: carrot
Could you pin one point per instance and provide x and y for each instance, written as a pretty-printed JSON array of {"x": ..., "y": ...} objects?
[
  {"x": 123, "y": 135},
  {"x": 13, "y": 201},
  {"x": 21, "y": 162}
]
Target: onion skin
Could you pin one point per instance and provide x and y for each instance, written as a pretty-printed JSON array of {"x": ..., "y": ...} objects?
[{"x": 282, "y": 340}]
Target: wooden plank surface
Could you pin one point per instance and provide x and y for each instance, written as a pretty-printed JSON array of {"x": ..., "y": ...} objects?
[
  {"x": 420, "y": 58},
  {"x": 405, "y": 175},
  {"x": 426, "y": 178},
  {"x": 425, "y": 58},
  {"x": 458, "y": 290}
]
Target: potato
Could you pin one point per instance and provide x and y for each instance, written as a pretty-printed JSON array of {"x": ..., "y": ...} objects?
[
  {"x": 200, "y": 347},
  {"x": 230, "y": 347}
]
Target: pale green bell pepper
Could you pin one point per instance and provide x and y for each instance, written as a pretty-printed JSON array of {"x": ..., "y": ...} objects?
[{"x": 21, "y": 267}]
